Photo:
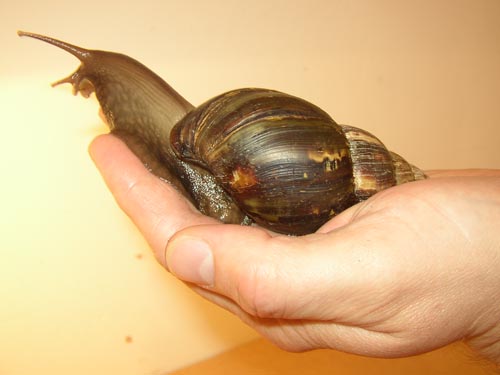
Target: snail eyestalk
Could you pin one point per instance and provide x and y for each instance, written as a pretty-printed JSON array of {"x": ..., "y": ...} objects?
[{"x": 78, "y": 52}]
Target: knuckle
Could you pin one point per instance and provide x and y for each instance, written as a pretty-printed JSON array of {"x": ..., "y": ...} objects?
[
  {"x": 259, "y": 290},
  {"x": 135, "y": 193},
  {"x": 292, "y": 346}
]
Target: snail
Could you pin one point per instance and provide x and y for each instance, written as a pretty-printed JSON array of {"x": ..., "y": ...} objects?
[{"x": 246, "y": 156}]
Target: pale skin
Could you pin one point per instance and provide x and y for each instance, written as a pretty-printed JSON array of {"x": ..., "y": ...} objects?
[{"x": 412, "y": 269}]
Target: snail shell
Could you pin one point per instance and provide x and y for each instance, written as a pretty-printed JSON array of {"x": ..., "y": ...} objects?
[
  {"x": 246, "y": 155},
  {"x": 285, "y": 161}
]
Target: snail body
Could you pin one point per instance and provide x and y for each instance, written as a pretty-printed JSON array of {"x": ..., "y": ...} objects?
[{"x": 248, "y": 155}]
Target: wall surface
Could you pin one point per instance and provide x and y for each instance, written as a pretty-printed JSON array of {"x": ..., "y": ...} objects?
[{"x": 79, "y": 291}]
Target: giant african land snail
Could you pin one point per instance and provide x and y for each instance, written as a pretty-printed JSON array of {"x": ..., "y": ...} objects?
[{"x": 248, "y": 155}]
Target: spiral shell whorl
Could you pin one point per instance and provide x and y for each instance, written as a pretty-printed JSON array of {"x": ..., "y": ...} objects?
[
  {"x": 283, "y": 159},
  {"x": 285, "y": 162},
  {"x": 375, "y": 168}
]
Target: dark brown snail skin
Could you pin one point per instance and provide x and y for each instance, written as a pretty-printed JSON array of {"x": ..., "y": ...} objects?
[{"x": 248, "y": 155}]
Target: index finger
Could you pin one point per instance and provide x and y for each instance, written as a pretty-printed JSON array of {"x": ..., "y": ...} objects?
[{"x": 155, "y": 206}]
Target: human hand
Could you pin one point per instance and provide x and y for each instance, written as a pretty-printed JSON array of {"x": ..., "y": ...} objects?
[{"x": 412, "y": 269}]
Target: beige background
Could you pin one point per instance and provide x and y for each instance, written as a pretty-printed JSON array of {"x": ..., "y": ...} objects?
[{"x": 79, "y": 291}]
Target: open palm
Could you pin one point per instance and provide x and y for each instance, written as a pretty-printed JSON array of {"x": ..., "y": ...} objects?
[{"x": 411, "y": 269}]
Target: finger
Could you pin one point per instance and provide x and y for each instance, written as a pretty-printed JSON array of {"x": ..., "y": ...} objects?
[
  {"x": 274, "y": 276},
  {"x": 300, "y": 335},
  {"x": 156, "y": 207},
  {"x": 288, "y": 334}
]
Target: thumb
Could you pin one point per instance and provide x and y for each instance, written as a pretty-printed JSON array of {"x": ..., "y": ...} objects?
[{"x": 267, "y": 276}]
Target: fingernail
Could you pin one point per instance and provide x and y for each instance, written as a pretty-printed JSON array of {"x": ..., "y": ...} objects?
[{"x": 191, "y": 260}]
